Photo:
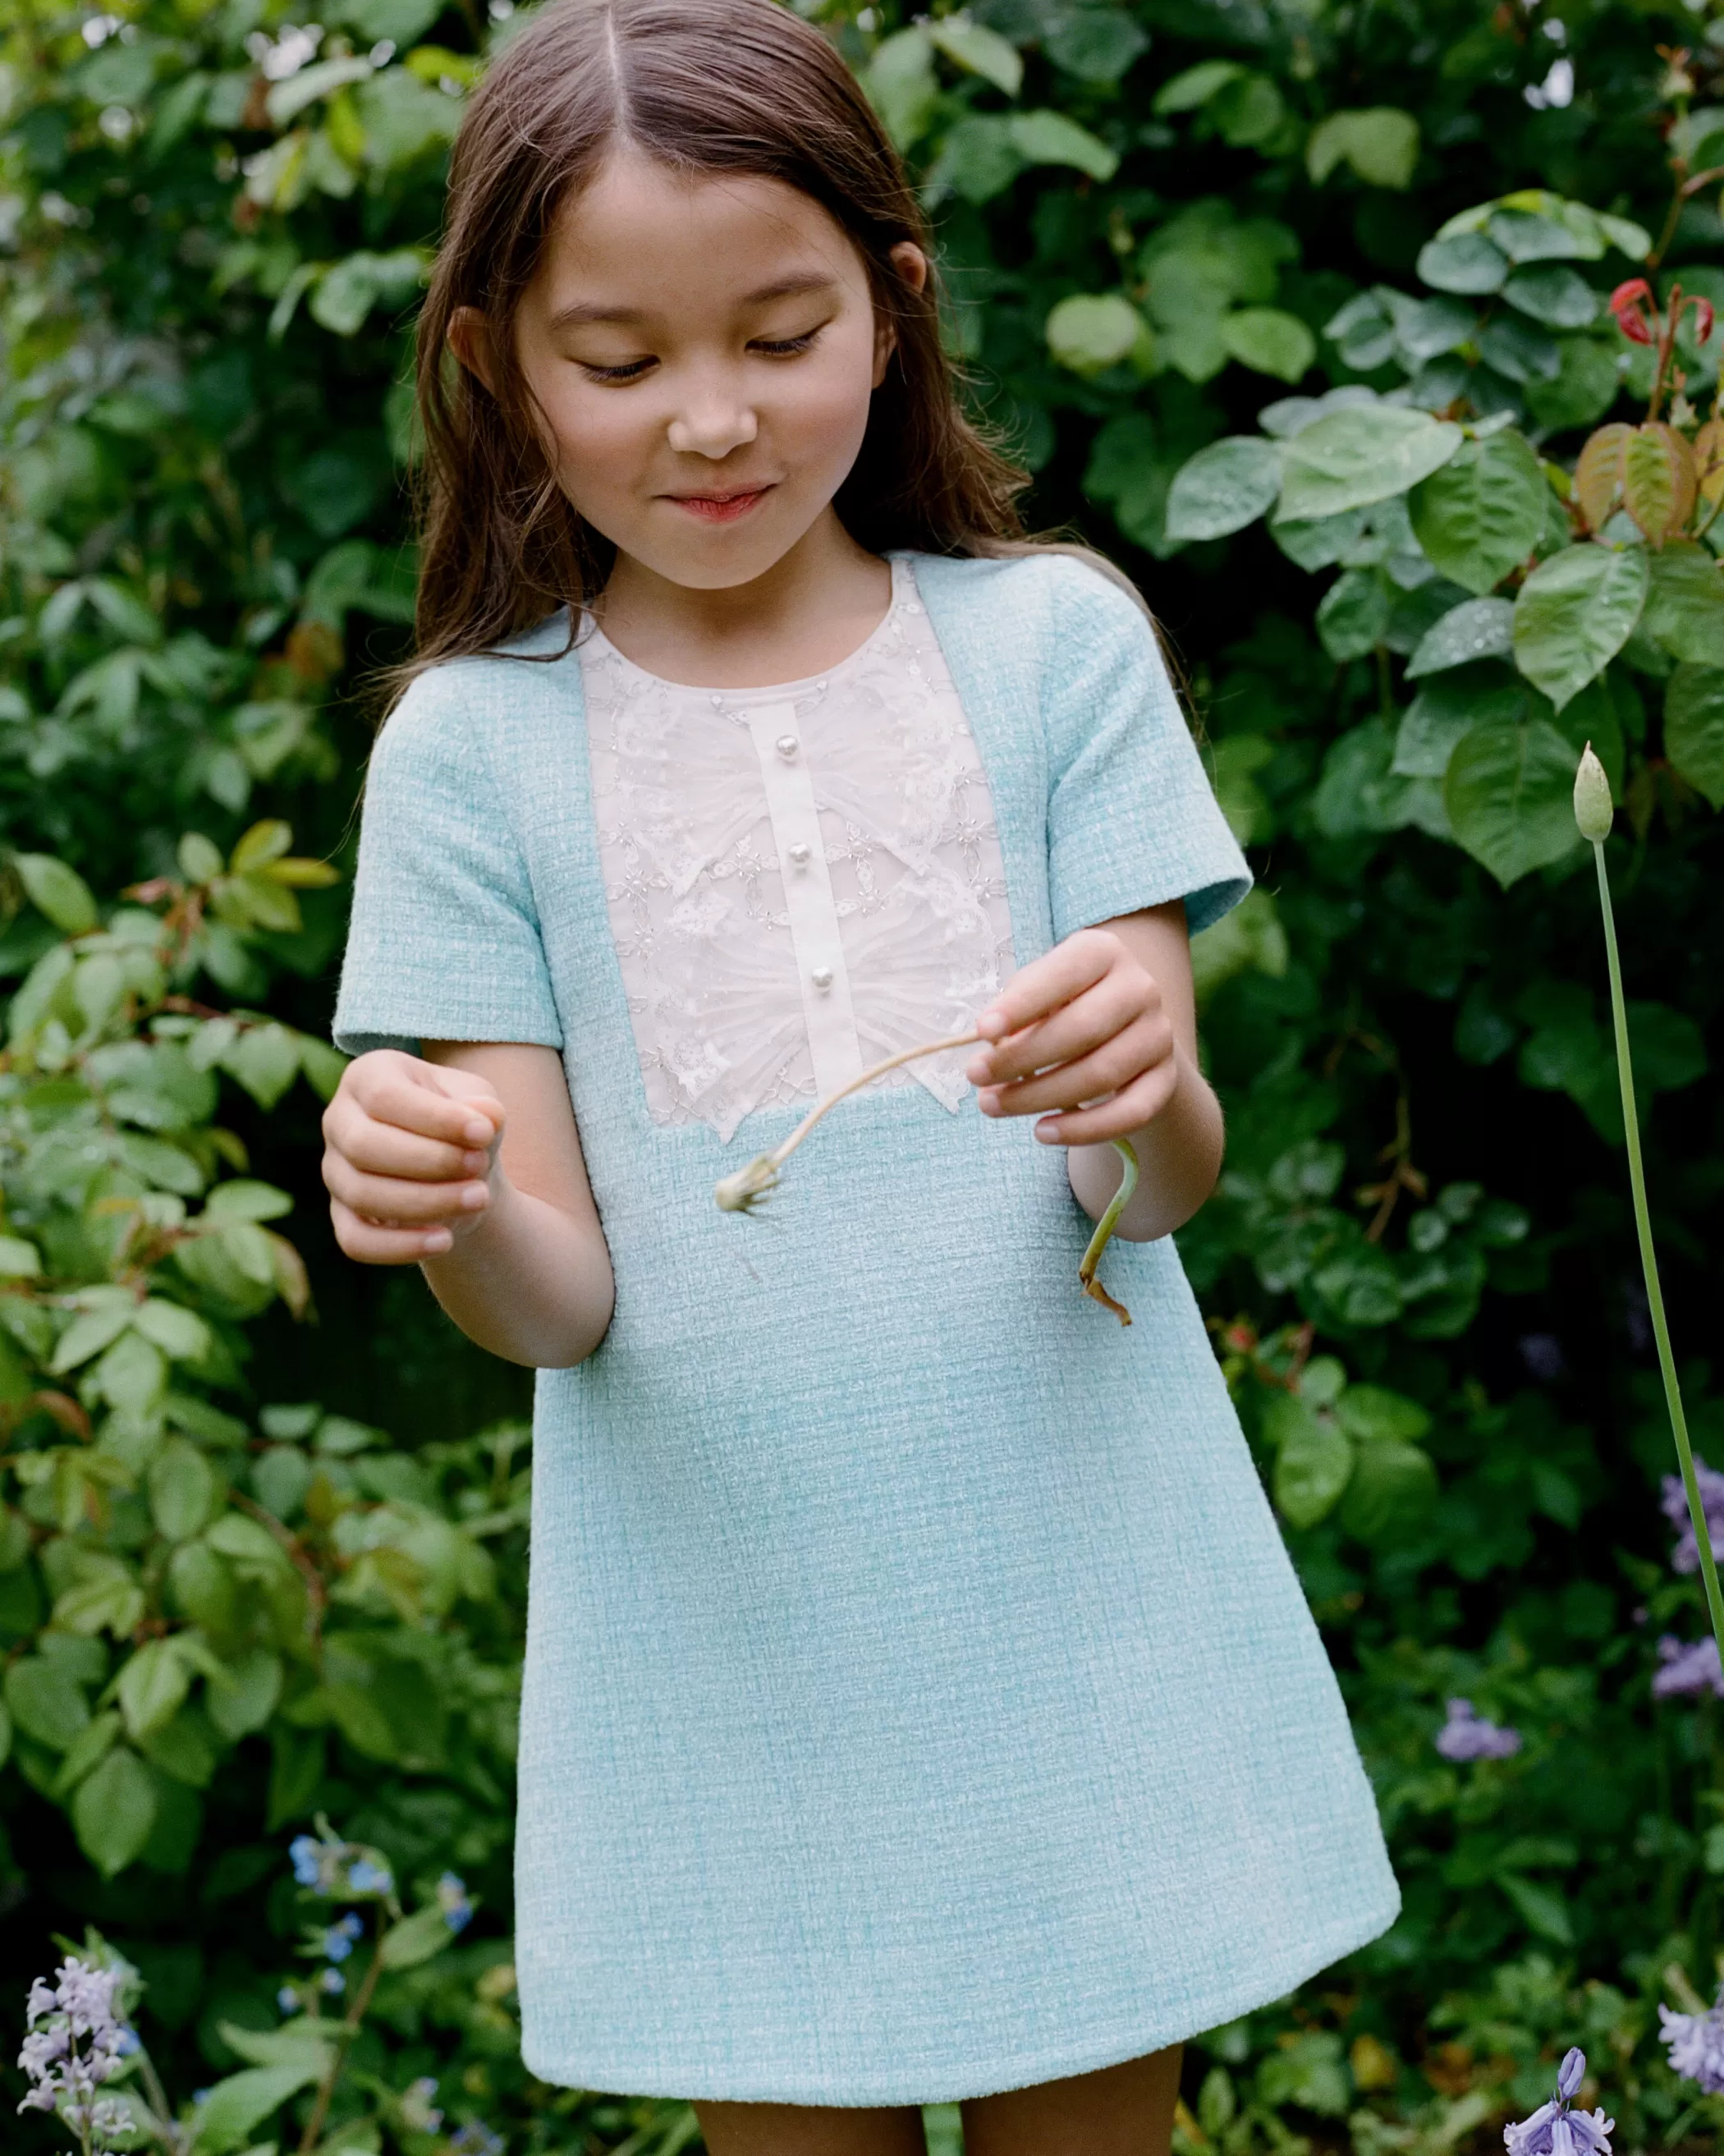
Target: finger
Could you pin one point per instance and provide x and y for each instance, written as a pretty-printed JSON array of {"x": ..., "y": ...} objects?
[
  {"x": 386, "y": 1149},
  {"x": 370, "y": 1243},
  {"x": 392, "y": 1096},
  {"x": 1118, "y": 1062},
  {"x": 1129, "y": 1110},
  {"x": 460, "y": 1085},
  {"x": 1115, "y": 1002},
  {"x": 394, "y": 1202},
  {"x": 1047, "y": 981}
]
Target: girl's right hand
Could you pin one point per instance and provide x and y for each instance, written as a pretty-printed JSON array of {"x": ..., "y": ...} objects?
[{"x": 410, "y": 1154}]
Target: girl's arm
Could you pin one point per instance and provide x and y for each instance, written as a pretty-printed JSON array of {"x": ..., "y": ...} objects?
[
  {"x": 1110, "y": 1011},
  {"x": 468, "y": 1161}
]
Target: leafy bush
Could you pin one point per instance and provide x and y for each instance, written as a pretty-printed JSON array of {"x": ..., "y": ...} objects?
[{"x": 1346, "y": 269}]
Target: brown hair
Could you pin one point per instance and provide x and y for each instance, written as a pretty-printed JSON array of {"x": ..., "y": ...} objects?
[{"x": 742, "y": 86}]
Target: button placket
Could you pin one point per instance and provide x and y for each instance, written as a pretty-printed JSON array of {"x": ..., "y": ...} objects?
[{"x": 795, "y": 817}]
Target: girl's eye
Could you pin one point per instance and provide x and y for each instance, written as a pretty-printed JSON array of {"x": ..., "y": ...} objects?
[
  {"x": 630, "y": 371},
  {"x": 782, "y": 347}
]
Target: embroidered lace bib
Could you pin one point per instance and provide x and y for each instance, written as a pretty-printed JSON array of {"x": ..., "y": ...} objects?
[{"x": 800, "y": 880}]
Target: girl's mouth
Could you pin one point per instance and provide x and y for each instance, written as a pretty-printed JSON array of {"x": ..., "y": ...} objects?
[{"x": 720, "y": 508}]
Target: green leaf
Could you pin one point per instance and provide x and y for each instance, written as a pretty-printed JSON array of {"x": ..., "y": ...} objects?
[
  {"x": 1542, "y": 1908},
  {"x": 1194, "y": 86},
  {"x": 104, "y": 1597},
  {"x": 178, "y": 1331},
  {"x": 1090, "y": 332},
  {"x": 265, "y": 1060},
  {"x": 247, "y": 1695},
  {"x": 1224, "y": 488},
  {"x": 1095, "y": 44},
  {"x": 1045, "y": 138},
  {"x": 1270, "y": 342},
  {"x": 1480, "y": 515},
  {"x": 1477, "y": 629},
  {"x": 1554, "y": 294},
  {"x": 1374, "y": 1415},
  {"x": 1467, "y": 261},
  {"x": 287, "y": 99},
  {"x": 46, "y": 1702},
  {"x": 152, "y": 1686},
  {"x": 1448, "y": 707},
  {"x": 114, "y": 1810},
  {"x": 1694, "y": 728},
  {"x": 1361, "y": 454},
  {"x": 415, "y": 1938},
  {"x": 1583, "y": 389},
  {"x": 18, "y": 1259},
  {"x": 345, "y": 294},
  {"x": 1380, "y": 143},
  {"x": 1684, "y": 603},
  {"x": 1509, "y": 791},
  {"x": 245, "y": 1199},
  {"x": 979, "y": 51},
  {"x": 183, "y": 1489},
  {"x": 1354, "y": 614},
  {"x": 1575, "y": 613},
  {"x": 234, "y": 2108},
  {"x": 1313, "y": 1463},
  {"x": 58, "y": 891}
]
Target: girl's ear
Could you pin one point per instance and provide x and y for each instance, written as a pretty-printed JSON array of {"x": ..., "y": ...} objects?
[
  {"x": 470, "y": 339},
  {"x": 912, "y": 264}
]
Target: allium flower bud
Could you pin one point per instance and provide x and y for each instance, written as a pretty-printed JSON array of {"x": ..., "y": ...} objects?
[{"x": 1594, "y": 811}]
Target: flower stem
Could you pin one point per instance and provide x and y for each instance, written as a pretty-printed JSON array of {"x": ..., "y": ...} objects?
[
  {"x": 1649, "y": 1261},
  {"x": 864, "y": 1078},
  {"x": 1104, "y": 1229}
]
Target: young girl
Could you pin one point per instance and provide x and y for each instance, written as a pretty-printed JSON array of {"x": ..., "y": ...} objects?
[{"x": 919, "y": 1702}]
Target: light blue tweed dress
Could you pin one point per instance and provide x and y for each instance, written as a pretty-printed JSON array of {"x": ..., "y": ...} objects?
[{"x": 919, "y": 1699}]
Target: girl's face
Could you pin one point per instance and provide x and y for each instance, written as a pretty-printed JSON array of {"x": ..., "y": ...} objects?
[{"x": 703, "y": 350}]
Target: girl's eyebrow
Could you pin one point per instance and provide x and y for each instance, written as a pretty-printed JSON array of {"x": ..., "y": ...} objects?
[{"x": 782, "y": 288}]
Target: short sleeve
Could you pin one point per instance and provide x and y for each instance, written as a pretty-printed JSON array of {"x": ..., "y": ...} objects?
[
  {"x": 443, "y": 942},
  {"x": 1132, "y": 819}
]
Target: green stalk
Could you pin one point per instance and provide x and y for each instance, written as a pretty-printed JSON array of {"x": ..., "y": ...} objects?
[
  {"x": 1104, "y": 1229},
  {"x": 1649, "y": 1259}
]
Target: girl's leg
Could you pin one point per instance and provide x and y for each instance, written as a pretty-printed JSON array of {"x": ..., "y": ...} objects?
[
  {"x": 807, "y": 2129},
  {"x": 1118, "y": 2111}
]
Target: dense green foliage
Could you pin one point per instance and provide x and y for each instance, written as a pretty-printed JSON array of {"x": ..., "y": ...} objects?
[{"x": 256, "y": 1566}]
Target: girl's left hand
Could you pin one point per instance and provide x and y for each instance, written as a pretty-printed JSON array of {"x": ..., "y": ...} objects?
[{"x": 1084, "y": 1020}]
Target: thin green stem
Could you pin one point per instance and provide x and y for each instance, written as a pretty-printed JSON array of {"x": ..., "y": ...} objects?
[
  {"x": 1104, "y": 1229},
  {"x": 1649, "y": 1262},
  {"x": 866, "y": 1078}
]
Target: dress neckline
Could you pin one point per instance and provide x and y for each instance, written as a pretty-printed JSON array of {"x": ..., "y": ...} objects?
[{"x": 597, "y": 644}]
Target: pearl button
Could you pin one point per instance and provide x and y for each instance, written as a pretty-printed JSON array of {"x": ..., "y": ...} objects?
[
  {"x": 822, "y": 977},
  {"x": 787, "y": 745},
  {"x": 800, "y": 853}
]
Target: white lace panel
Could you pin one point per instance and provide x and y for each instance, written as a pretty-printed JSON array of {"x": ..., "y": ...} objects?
[{"x": 800, "y": 880}]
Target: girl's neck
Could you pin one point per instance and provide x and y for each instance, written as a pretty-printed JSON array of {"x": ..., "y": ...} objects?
[{"x": 812, "y": 609}]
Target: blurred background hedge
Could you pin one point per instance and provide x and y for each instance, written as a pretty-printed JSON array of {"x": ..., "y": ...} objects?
[{"x": 262, "y": 1550}]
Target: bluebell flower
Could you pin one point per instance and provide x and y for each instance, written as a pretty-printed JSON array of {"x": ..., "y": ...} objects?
[
  {"x": 1688, "y": 1667},
  {"x": 452, "y": 1900},
  {"x": 1556, "y": 2130},
  {"x": 364, "y": 1878},
  {"x": 1685, "y": 1555},
  {"x": 475, "y": 2138},
  {"x": 1466, "y": 1735},
  {"x": 1696, "y": 2045}
]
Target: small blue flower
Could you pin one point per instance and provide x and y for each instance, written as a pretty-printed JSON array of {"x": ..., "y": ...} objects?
[
  {"x": 333, "y": 1980},
  {"x": 338, "y": 1939},
  {"x": 452, "y": 1900},
  {"x": 1696, "y": 2045},
  {"x": 306, "y": 1867},
  {"x": 1466, "y": 1735},
  {"x": 475, "y": 2138},
  {"x": 288, "y": 2000},
  {"x": 364, "y": 1878},
  {"x": 1555, "y": 2130},
  {"x": 126, "y": 2043}
]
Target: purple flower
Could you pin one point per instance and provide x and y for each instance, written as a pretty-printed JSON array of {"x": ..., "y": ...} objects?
[
  {"x": 1465, "y": 1735},
  {"x": 452, "y": 1899},
  {"x": 476, "y": 2140},
  {"x": 1688, "y": 1667},
  {"x": 1685, "y": 1555},
  {"x": 77, "y": 2010},
  {"x": 1696, "y": 2045},
  {"x": 1554, "y": 2129}
]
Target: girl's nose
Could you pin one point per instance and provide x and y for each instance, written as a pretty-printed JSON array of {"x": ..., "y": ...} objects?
[{"x": 712, "y": 426}]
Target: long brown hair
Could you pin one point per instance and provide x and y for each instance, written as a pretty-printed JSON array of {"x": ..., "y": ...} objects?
[{"x": 737, "y": 86}]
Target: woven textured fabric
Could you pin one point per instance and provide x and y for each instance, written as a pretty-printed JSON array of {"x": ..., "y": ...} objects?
[{"x": 919, "y": 1699}]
